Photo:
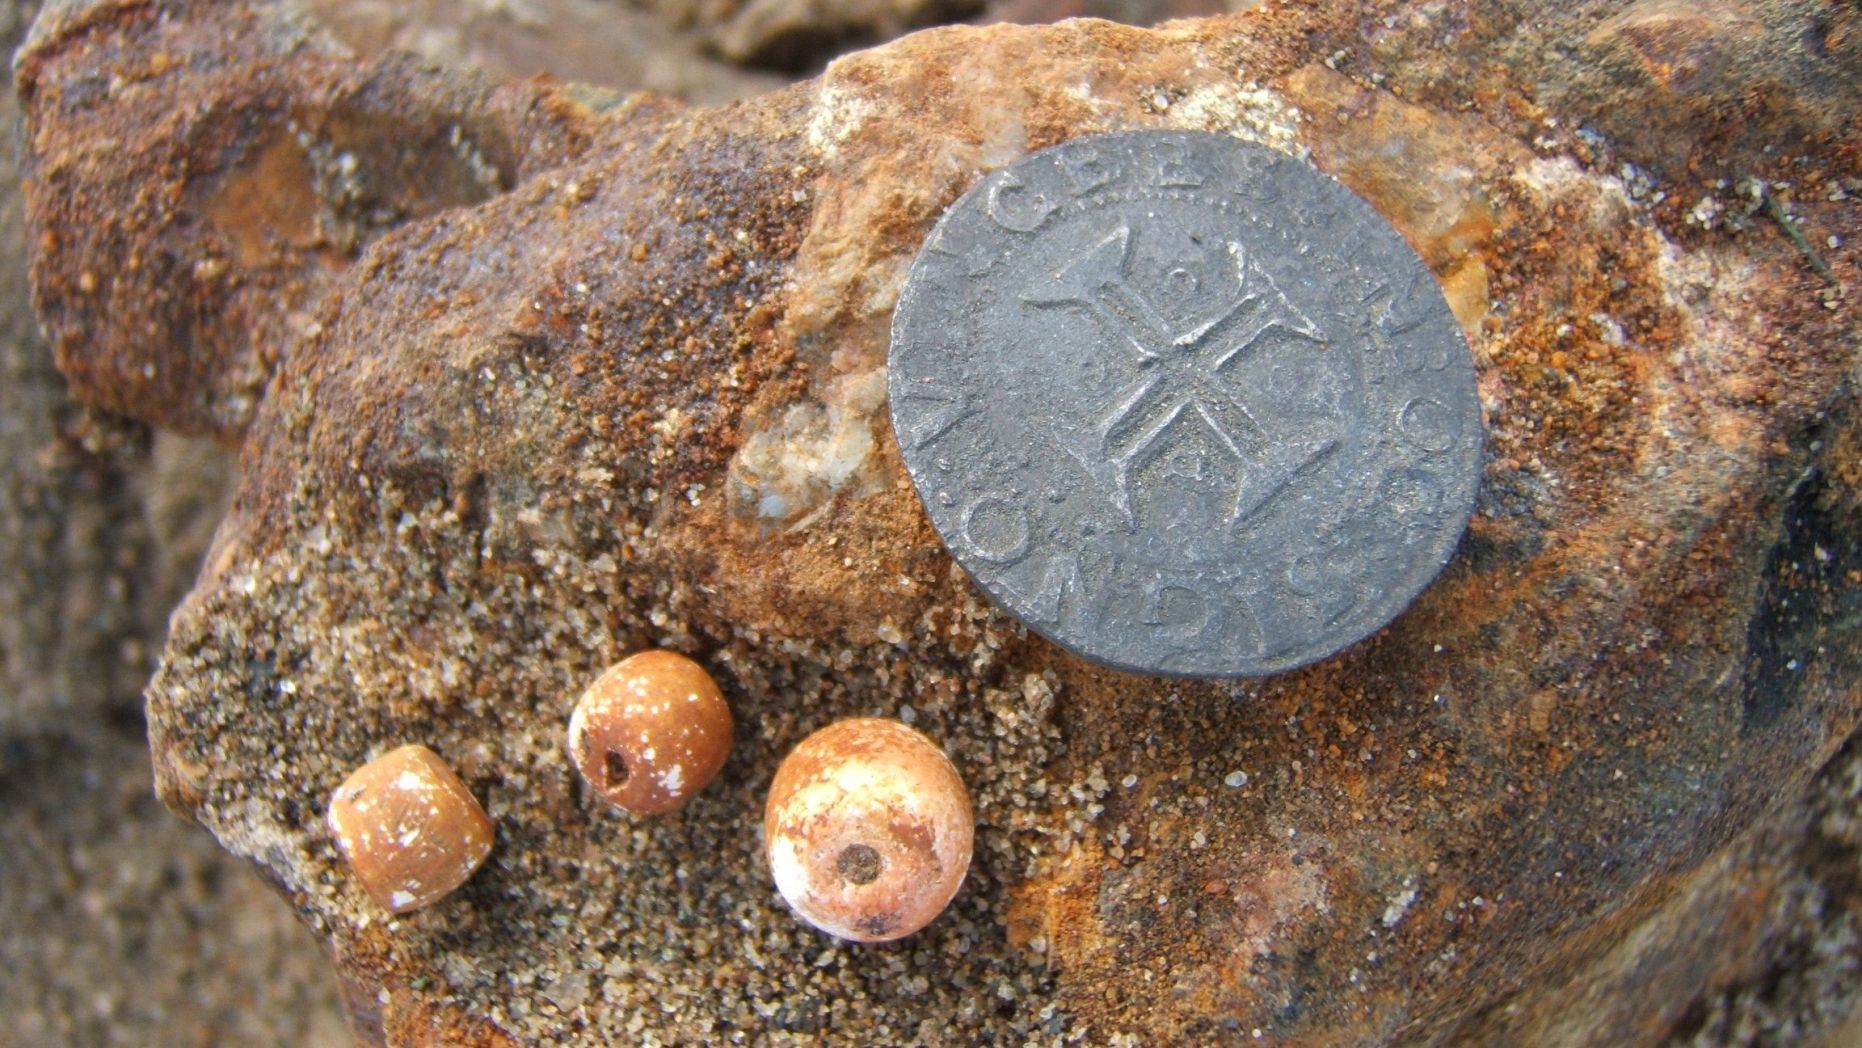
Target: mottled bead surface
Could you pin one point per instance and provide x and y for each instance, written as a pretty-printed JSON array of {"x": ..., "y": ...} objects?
[
  {"x": 651, "y": 732},
  {"x": 410, "y": 829},
  {"x": 869, "y": 830}
]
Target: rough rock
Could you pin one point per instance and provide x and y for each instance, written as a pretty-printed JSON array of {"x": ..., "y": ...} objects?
[
  {"x": 102, "y": 523},
  {"x": 233, "y": 177},
  {"x": 612, "y": 376},
  {"x": 1759, "y": 946}
]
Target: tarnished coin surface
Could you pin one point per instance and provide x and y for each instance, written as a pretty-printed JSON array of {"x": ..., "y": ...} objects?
[{"x": 1184, "y": 405}]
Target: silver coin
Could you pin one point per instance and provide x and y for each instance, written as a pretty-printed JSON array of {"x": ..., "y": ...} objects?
[{"x": 1184, "y": 405}]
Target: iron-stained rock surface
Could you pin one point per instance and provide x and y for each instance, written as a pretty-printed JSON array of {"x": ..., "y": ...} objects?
[{"x": 517, "y": 370}]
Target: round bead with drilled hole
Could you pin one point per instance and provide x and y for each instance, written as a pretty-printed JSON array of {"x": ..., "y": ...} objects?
[
  {"x": 651, "y": 732},
  {"x": 868, "y": 829}
]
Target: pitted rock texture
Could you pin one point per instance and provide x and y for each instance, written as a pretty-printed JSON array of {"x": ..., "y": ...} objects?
[
  {"x": 626, "y": 390},
  {"x": 209, "y": 188}
]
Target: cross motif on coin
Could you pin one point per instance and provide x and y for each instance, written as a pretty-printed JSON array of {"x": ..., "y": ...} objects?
[{"x": 1180, "y": 370}]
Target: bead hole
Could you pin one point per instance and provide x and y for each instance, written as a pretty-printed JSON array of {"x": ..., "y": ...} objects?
[
  {"x": 615, "y": 766},
  {"x": 859, "y": 864}
]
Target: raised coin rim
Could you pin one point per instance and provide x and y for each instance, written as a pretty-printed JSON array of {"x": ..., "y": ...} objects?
[{"x": 1468, "y": 472}]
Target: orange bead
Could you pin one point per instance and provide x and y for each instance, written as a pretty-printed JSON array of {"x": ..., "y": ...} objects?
[
  {"x": 410, "y": 829},
  {"x": 868, "y": 829},
  {"x": 651, "y": 732}
]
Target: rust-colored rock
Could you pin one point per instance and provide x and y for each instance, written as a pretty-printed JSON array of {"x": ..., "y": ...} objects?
[
  {"x": 629, "y": 393},
  {"x": 207, "y": 192}
]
